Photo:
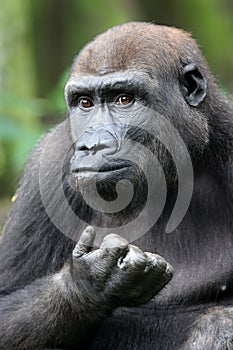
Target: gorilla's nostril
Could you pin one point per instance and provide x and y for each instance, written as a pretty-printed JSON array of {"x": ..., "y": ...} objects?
[
  {"x": 83, "y": 148},
  {"x": 99, "y": 147},
  {"x": 95, "y": 148}
]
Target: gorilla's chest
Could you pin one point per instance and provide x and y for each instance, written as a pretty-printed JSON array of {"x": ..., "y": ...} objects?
[{"x": 143, "y": 328}]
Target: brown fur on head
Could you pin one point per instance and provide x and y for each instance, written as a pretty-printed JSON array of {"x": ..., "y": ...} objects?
[{"x": 150, "y": 48}]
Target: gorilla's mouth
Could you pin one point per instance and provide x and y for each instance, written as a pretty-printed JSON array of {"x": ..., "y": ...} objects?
[
  {"x": 110, "y": 168},
  {"x": 88, "y": 184}
]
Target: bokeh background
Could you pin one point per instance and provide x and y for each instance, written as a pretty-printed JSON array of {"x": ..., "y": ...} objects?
[{"x": 39, "y": 39}]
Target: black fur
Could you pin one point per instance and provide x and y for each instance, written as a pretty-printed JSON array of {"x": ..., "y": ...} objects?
[{"x": 48, "y": 301}]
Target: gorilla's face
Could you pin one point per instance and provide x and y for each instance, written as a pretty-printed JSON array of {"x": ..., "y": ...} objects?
[{"x": 133, "y": 130}]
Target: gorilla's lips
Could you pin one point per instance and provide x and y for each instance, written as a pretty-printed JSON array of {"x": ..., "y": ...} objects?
[
  {"x": 95, "y": 182},
  {"x": 109, "y": 169},
  {"x": 104, "y": 177}
]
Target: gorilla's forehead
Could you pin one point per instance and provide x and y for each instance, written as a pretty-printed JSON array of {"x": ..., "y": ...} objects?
[{"x": 143, "y": 46}]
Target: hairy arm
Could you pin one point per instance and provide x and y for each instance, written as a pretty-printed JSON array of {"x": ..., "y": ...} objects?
[
  {"x": 49, "y": 312},
  {"x": 61, "y": 309}
]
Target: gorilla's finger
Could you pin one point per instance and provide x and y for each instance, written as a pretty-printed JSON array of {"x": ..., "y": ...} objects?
[
  {"x": 134, "y": 259},
  {"x": 157, "y": 263},
  {"x": 85, "y": 242},
  {"x": 112, "y": 241}
]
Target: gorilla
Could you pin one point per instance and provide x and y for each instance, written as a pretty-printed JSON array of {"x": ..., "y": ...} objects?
[{"x": 121, "y": 234}]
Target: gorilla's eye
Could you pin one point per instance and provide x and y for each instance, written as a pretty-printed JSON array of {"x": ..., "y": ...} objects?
[
  {"x": 85, "y": 102},
  {"x": 124, "y": 100}
]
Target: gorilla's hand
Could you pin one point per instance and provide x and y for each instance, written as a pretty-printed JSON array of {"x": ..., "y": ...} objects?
[{"x": 119, "y": 271}]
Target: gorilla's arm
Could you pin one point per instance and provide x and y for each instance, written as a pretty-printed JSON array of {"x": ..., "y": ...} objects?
[
  {"x": 64, "y": 306},
  {"x": 212, "y": 330}
]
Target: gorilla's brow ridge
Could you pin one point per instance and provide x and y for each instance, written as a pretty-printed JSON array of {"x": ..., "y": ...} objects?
[{"x": 117, "y": 82}]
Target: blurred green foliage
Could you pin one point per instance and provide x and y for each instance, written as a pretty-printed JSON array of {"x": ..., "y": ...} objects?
[{"x": 39, "y": 38}]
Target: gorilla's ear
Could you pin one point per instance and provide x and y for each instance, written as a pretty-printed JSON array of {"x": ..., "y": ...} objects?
[{"x": 193, "y": 85}]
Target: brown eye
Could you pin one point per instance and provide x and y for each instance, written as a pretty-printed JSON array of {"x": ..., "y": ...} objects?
[
  {"x": 124, "y": 100},
  {"x": 85, "y": 102}
]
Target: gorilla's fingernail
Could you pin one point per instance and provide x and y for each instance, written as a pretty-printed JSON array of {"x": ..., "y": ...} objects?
[
  {"x": 169, "y": 270},
  {"x": 87, "y": 236},
  {"x": 89, "y": 229}
]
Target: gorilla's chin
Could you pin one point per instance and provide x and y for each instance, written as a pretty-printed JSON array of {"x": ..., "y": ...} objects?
[{"x": 124, "y": 189}]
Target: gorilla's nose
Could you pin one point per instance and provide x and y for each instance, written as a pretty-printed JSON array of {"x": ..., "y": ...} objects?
[
  {"x": 101, "y": 142},
  {"x": 92, "y": 149}
]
